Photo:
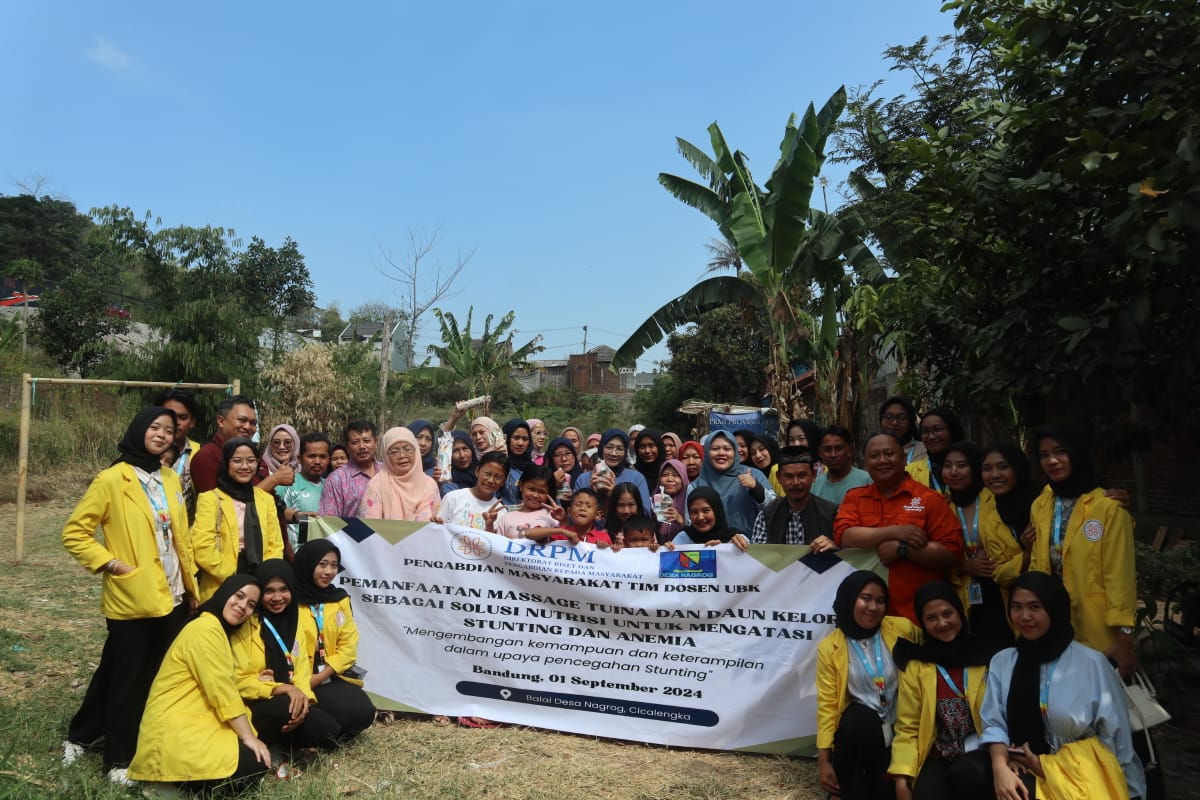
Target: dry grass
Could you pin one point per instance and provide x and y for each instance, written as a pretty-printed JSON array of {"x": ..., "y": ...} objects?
[{"x": 51, "y": 636}]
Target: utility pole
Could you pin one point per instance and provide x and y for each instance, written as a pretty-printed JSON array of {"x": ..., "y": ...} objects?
[{"x": 385, "y": 368}]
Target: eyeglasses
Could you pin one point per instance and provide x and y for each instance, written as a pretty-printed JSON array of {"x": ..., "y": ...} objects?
[
  {"x": 615, "y": 449},
  {"x": 402, "y": 450},
  {"x": 282, "y": 444},
  {"x": 244, "y": 462},
  {"x": 933, "y": 430},
  {"x": 894, "y": 418}
]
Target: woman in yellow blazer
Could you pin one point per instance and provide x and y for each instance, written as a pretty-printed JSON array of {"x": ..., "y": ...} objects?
[
  {"x": 237, "y": 524},
  {"x": 196, "y": 730},
  {"x": 1086, "y": 539},
  {"x": 148, "y": 589},
  {"x": 274, "y": 654},
  {"x": 1004, "y": 522},
  {"x": 856, "y": 689},
  {"x": 936, "y": 754},
  {"x": 336, "y": 677}
]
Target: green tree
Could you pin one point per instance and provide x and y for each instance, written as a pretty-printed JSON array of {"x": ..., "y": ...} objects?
[
  {"x": 1043, "y": 234},
  {"x": 51, "y": 232},
  {"x": 787, "y": 249},
  {"x": 28, "y": 273},
  {"x": 656, "y": 407},
  {"x": 276, "y": 282},
  {"x": 73, "y": 320},
  {"x": 722, "y": 358},
  {"x": 478, "y": 363}
]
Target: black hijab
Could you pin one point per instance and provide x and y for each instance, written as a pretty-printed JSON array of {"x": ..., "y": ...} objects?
[
  {"x": 132, "y": 447},
  {"x": 284, "y": 623},
  {"x": 305, "y": 591},
  {"x": 746, "y": 435},
  {"x": 954, "y": 428},
  {"x": 558, "y": 443},
  {"x": 1023, "y": 711},
  {"x": 252, "y": 550},
  {"x": 1014, "y": 506},
  {"x": 523, "y": 462},
  {"x": 847, "y": 596},
  {"x": 773, "y": 448},
  {"x": 975, "y": 460},
  {"x": 215, "y": 605},
  {"x": 1083, "y": 477},
  {"x": 649, "y": 469},
  {"x": 721, "y": 530},
  {"x": 605, "y": 438},
  {"x": 464, "y": 478},
  {"x": 429, "y": 460},
  {"x": 812, "y": 432},
  {"x": 964, "y": 651}
]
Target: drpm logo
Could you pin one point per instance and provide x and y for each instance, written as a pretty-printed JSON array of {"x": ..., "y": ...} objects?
[
  {"x": 471, "y": 546},
  {"x": 688, "y": 564}
]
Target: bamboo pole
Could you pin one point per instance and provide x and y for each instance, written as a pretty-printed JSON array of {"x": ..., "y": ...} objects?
[
  {"x": 27, "y": 383},
  {"x": 23, "y": 461}
]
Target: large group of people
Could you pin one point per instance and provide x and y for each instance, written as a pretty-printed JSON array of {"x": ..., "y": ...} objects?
[{"x": 984, "y": 662}]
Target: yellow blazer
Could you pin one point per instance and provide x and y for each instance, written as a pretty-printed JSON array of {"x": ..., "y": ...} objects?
[
  {"x": 833, "y": 674},
  {"x": 1085, "y": 768},
  {"x": 116, "y": 501},
  {"x": 215, "y": 538},
  {"x": 250, "y": 653},
  {"x": 341, "y": 636},
  {"x": 916, "y": 707},
  {"x": 185, "y": 733},
  {"x": 1098, "y": 565}
]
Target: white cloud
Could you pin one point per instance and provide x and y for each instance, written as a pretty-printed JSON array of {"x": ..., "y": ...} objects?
[{"x": 108, "y": 55}]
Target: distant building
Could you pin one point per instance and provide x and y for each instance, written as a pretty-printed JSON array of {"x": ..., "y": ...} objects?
[
  {"x": 546, "y": 374},
  {"x": 372, "y": 333},
  {"x": 591, "y": 373}
]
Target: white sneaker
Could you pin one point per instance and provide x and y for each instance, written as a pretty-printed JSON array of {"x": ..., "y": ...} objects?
[
  {"x": 119, "y": 776},
  {"x": 71, "y": 753}
]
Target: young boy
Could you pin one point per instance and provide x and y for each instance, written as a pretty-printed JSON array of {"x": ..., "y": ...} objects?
[
  {"x": 639, "y": 532},
  {"x": 581, "y": 519},
  {"x": 473, "y": 507}
]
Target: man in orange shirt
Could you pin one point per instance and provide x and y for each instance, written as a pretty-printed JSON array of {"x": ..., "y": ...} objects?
[{"x": 911, "y": 526}]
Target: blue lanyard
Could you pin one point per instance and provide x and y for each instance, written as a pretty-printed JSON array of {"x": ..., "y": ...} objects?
[
  {"x": 909, "y": 458},
  {"x": 1059, "y": 528},
  {"x": 950, "y": 682},
  {"x": 971, "y": 537},
  {"x": 158, "y": 503},
  {"x": 318, "y": 612},
  {"x": 287, "y": 653},
  {"x": 934, "y": 483},
  {"x": 877, "y": 674},
  {"x": 1044, "y": 697}
]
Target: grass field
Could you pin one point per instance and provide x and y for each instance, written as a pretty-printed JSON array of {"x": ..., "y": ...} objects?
[{"x": 51, "y": 632}]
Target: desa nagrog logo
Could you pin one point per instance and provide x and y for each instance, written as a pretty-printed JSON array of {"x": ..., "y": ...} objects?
[
  {"x": 471, "y": 546},
  {"x": 687, "y": 564}
]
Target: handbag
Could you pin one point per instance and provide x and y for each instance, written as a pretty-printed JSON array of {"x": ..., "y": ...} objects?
[{"x": 1145, "y": 711}]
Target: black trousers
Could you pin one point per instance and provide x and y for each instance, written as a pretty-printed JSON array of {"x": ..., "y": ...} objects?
[
  {"x": 860, "y": 758},
  {"x": 319, "y": 728},
  {"x": 112, "y": 707},
  {"x": 969, "y": 775},
  {"x": 249, "y": 770},
  {"x": 348, "y": 704}
]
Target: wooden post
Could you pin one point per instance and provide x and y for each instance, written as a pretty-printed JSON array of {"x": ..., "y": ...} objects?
[
  {"x": 23, "y": 462},
  {"x": 237, "y": 385}
]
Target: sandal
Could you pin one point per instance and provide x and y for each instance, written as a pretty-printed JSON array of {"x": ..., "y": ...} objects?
[{"x": 479, "y": 722}]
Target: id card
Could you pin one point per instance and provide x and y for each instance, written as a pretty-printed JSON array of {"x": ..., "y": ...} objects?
[{"x": 975, "y": 593}]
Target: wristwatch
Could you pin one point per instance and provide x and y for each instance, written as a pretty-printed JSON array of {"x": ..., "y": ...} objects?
[
  {"x": 1125, "y": 629},
  {"x": 902, "y": 550}
]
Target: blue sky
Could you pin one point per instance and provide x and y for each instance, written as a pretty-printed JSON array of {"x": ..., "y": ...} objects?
[{"x": 532, "y": 132}]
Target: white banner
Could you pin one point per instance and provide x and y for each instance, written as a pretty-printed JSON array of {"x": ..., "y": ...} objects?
[{"x": 700, "y": 647}]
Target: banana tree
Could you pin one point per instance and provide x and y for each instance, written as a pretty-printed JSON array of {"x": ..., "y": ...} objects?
[
  {"x": 477, "y": 363},
  {"x": 788, "y": 250}
]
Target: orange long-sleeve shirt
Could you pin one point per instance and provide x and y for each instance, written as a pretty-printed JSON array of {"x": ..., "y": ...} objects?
[{"x": 911, "y": 504}]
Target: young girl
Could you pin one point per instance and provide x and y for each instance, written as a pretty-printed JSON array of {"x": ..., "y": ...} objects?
[
  {"x": 475, "y": 506},
  {"x": 648, "y": 455},
  {"x": 560, "y": 457},
  {"x": 624, "y": 501},
  {"x": 707, "y": 514},
  {"x": 538, "y": 516},
  {"x": 940, "y": 428},
  {"x": 237, "y": 524},
  {"x": 962, "y": 465},
  {"x": 764, "y": 456},
  {"x": 1004, "y": 505},
  {"x": 672, "y": 477},
  {"x": 274, "y": 655},
  {"x": 334, "y": 679},
  {"x": 519, "y": 444},
  {"x": 195, "y": 729},
  {"x": 427, "y": 437}
]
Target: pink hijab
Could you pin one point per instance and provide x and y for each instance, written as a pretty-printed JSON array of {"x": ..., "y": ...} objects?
[
  {"x": 412, "y": 495},
  {"x": 669, "y": 529},
  {"x": 536, "y": 454},
  {"x": 269, "y": 458}
]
